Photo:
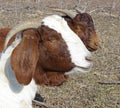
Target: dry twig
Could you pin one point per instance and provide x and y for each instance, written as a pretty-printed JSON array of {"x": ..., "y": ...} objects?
[
  {"x": 40, "y": 104},
  {"x": 110, "y": 82}
]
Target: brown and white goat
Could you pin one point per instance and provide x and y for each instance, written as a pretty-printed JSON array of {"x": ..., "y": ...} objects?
[{"x": 53, "y": 61}]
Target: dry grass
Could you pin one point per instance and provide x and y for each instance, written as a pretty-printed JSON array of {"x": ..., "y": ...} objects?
[{"x": 81, "y": 90}]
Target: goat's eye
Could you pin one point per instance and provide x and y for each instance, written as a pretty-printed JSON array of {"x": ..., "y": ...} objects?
[
  {"x": 52, "y": 40},
  {"x": 40, "y": 41}
]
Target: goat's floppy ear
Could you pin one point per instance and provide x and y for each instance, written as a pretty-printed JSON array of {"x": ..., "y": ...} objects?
[{"x": 25, "y": 56}]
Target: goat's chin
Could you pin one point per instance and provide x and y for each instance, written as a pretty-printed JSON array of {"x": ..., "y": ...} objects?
[{"x": 79, "y": 69}]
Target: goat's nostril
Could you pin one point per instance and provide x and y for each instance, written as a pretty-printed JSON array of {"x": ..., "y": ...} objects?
[
  {"x": 89, "y": 58},
  {"x": 97, "y": 45}
]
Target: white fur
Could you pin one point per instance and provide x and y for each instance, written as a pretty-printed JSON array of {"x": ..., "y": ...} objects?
[
  {"x": 12, "y": 94},
  {"x": 76, "y": 48}
]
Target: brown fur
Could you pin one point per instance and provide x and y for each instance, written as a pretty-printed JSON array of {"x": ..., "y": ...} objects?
[
  {"x": 53, "y": 51},
  {"x": 25, "y": 56},
  {"x": 3, "y": 33},
  {"x": 49, "y": 78},
  {"x": 41, "y": 53},
  {"x": 25, "y": 63},
  {"x": 83, "y": 26},
  {"x": 50, "y": 68}
]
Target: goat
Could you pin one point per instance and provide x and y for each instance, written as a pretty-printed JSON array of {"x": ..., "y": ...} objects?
[
  {"x": 84, "y": 28},
  {"x": 36, "y": 53},
  {"x": 89, "y": 39}
]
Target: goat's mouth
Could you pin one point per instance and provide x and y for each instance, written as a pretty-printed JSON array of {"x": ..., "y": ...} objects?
[
  {"x": 89, "y": 59},
  {"x": 83, "y": 68},
  {"x": 91, "y": 48},
  {"x": 79, "y": 69}
]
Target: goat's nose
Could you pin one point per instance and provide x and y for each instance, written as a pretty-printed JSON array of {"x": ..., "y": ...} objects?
[
  {"x": 89, "y": 58},
  {"x": 97, "y": 45}
]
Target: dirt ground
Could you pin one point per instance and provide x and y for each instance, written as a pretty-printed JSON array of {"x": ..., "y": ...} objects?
[{"x": 81, "y": 90}]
